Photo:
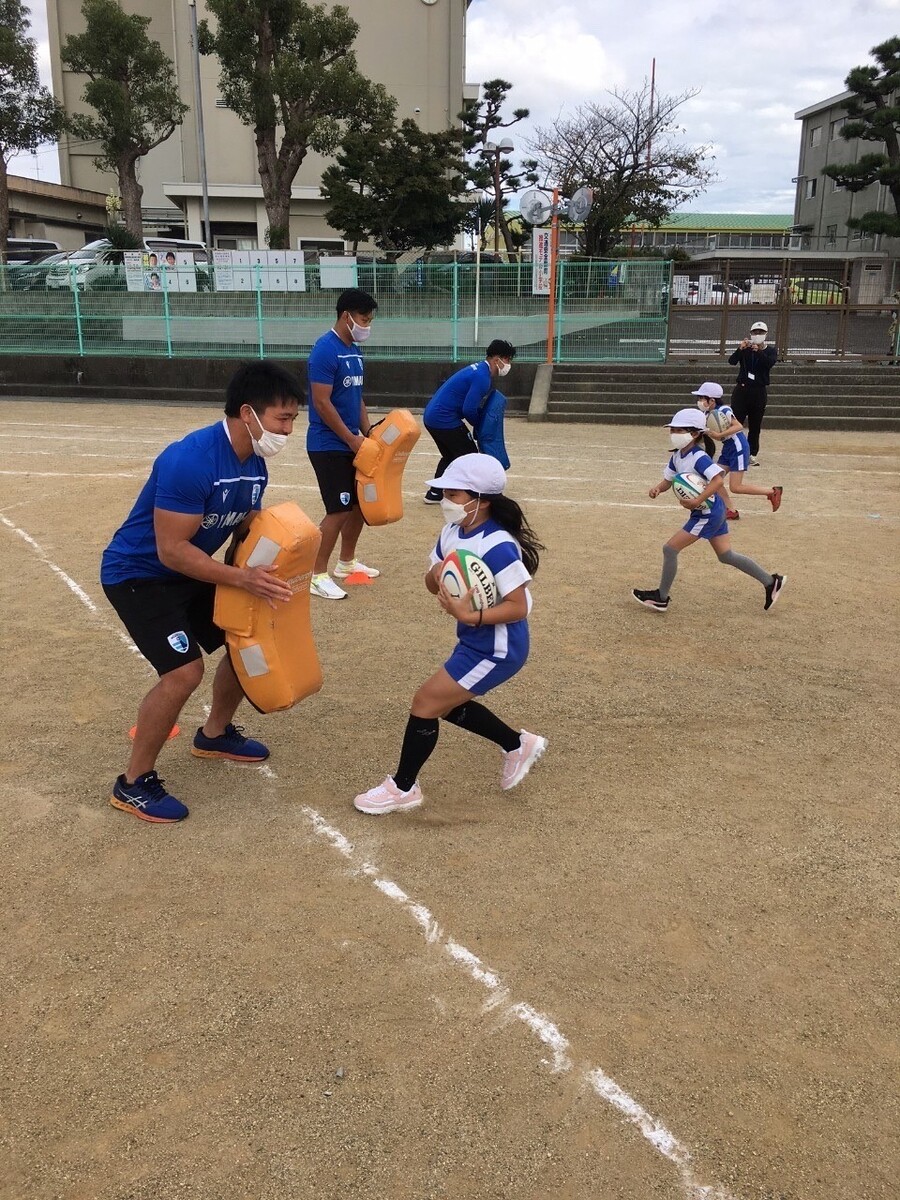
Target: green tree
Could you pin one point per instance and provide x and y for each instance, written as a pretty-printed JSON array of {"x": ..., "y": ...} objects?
[
  {"x": 396, "y": 185},
  {"x": 29, "y": 115},
  {"x": 288, "y": 70},
  {"x": 486, "y": 169},
  {"x": 132, "y": 90},
  {"x": 873, "y": 113},
  {"x": 627, "y": 152}
]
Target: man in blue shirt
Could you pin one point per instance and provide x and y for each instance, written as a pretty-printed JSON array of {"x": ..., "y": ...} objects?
[
  {"x": 464, "y": 397},
  {"x": 159, "y": 575},
  {"x": 338, "y": 425}
]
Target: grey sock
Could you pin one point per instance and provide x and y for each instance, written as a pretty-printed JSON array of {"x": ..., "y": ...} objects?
[
  {"x": 748, "y": 566},
  {"x": 670, "y": 568}
]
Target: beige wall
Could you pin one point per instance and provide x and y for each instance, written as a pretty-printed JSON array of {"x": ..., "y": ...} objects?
[
  {"x": 416, "y": 50},
  {"x": 48, "y": 210}
]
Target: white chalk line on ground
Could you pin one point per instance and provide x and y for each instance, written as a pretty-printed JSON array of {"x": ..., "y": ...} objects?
[
  {"x": 542, "y": 1026},
  {"x": 662, "y": 510}
]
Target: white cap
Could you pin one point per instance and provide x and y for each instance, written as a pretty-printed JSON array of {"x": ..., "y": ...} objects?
[
  {"x": 479, "y": 473},
  {"x": 712, "y": 391},
  {"x": 760, "y": 325},
  {"x": 687, "y": 418}
]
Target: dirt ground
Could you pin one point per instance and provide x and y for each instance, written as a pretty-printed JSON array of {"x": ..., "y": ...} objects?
[{"x": 664, "y": 968}]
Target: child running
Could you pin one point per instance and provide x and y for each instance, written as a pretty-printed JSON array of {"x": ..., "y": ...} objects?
[
  {"x": 706, "y": 522},
  {"x": 734, "y": 458},
  {"x": 493, "y": 642}
]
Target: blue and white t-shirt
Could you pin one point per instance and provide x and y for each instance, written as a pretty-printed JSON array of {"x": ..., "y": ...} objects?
[
  {"x": 696, "y": 459},
  {"x": 736, "y": 445},
  {"x": 460, "y": 397},
  {"x": 340, "y": 367},
  {"x": 200, "y": 475},
  {"x": 503, "y": 555}
]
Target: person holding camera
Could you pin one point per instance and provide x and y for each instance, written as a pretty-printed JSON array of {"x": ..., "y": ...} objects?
[{"x": 755, "y": 359}]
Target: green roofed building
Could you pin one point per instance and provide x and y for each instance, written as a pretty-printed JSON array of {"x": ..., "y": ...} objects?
[{"x": 716, "y": 235}]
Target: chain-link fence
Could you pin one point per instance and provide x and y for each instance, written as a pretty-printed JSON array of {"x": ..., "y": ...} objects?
[{"x": 605, "y": 310}]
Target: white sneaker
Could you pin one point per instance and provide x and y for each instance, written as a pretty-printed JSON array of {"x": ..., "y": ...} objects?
[
  {"x": 323, "y": 585},
  {"x": 517, "y": 763},
  {"x": 387, "y": 798},
  {"x": 342, "y": 570},
  {"x": 754, "y": 461}
]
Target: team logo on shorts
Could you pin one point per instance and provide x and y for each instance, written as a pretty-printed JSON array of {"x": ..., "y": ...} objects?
[
  {"x": 255, "y": 496},
  {"x": 179, "y": 641},
  {"x": 209, "y": 521},
  {"x": 345, "y": 498}
]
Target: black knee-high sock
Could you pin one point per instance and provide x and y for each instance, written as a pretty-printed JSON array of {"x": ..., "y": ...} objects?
[
  {"x": 478, "y": 719},
  {"x": 418, "y": 742}
]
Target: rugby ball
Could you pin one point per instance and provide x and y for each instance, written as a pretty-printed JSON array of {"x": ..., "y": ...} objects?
[
  {"x": 689, "y": 486},
  {"x": 718, "y": 420},
  {"x": 462, "y": 570}
]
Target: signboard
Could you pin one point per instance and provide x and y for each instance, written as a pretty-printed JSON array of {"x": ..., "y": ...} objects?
[{"x": 540, "y": 262}]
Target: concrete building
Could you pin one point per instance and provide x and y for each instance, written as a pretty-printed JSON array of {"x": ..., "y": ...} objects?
[
  {"x": 70, "y": 216},
  {"x": 415, "y": 48},
  {"x": 822, "y": 207}
]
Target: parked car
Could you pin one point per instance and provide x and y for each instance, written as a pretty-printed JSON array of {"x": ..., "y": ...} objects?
[
  {"x": 32, "y": 277},
  {"x": 815, "y": 291},
  {"x": 21, "y": 252},
  {"x": 90, "y": 272}
]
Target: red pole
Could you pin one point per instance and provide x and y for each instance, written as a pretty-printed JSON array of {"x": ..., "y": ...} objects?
[{"x": 554, "y": 245}]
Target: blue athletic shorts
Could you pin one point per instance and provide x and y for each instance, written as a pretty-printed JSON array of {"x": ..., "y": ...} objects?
[
  {"x": 707, "y": 525},
  {"x": 478, "y": 673},
  {"x": 735, "y": 458}
]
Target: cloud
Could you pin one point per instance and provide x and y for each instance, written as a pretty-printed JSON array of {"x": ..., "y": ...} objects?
[{"x": 755, "y": 66}]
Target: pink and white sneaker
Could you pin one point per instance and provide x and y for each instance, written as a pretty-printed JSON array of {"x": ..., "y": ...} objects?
[
  {"x": 517, "y": 763},
  {"x": 387, "y": 798}
]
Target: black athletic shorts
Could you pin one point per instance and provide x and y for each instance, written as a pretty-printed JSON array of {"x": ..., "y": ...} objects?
[
  {"x": 337, "y": 479},
  {"x": 169, "y": 620}
]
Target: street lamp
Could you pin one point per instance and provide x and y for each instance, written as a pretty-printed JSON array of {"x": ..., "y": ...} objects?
[
  {"x": 198, "y": 114},
  {"x": 496, "y": 150},
  {"x": 478, "y": 198}
]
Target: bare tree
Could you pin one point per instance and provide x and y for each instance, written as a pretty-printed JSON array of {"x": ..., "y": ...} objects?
[{"x": 628, "y": 152}]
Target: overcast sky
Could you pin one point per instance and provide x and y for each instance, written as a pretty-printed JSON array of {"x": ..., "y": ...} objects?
[{"x": 755, "y": 64}]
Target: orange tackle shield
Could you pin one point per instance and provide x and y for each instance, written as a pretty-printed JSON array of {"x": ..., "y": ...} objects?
[
  {"x": 379, "y": 467},
  {"x": 272, "y": 649}
]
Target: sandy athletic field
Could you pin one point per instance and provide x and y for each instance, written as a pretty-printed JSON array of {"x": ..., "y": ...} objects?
[{"x": 664, "y": 968}]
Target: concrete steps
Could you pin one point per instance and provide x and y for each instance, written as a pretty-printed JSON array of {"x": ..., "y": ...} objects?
[{"x": 801, "y": 396}]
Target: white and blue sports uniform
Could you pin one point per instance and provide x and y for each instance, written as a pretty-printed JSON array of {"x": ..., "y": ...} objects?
[
  {"x": 700, "y": 524},
  {"x": 201, "y": 476},
  {"x": 735, "y": 453},
  {"x": 339, "y": 366},
  {"x": 488, "y": 655}
]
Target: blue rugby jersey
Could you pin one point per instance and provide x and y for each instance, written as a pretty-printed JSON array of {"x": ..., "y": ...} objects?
[
  {"x": 340, "y": 367},
  {"x": 696, "y": 459},
  {"x": 459, "y": 398},
  {"x": 200, "y": 475},
  {"x": 738, "y": 441},
  {"x": 503, "y": 555}
]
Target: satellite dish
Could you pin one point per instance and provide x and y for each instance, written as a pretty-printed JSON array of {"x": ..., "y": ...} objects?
[
  {"x": 535, "y": 207},
  {"x": 580, "y": 205}
]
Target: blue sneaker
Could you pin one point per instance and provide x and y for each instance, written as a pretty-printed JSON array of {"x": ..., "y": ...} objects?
[
  {"x": 231, "y": 744},
  {"x": 147, "y": 799}
]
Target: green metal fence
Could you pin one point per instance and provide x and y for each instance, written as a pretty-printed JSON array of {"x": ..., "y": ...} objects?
[{"x": 616, "y": 311}]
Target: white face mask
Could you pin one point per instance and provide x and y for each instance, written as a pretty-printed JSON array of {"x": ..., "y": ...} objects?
[
  {"x": 269, "y": 444},
  {"x": 359, "y": 333},
  {"x": 757, "y": 339},
  {"x": 456, "y": 514},
  {"x": 680, "y": 441},
  {"x": 504, "y": 368}
]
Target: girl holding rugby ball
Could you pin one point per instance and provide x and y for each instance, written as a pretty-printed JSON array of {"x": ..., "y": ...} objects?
[
  {"x": 492, "y": 643},
  {"x": 735, "y": 455},
  {"x": 687, "y": 431}
]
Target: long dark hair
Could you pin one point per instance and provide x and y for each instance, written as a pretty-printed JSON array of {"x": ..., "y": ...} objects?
[
  {"x": 708, "y": 444},
  {"x": 510, "y": 517}
]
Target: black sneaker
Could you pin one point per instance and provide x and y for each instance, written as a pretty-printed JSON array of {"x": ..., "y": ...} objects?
[
  {"x": 433, "y": 496},
  {"x": 774, "y": 590},
  {"x": 651, "y": 599}
]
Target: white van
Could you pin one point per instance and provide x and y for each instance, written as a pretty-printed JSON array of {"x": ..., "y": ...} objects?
[{"x": 21, "y": 252}]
